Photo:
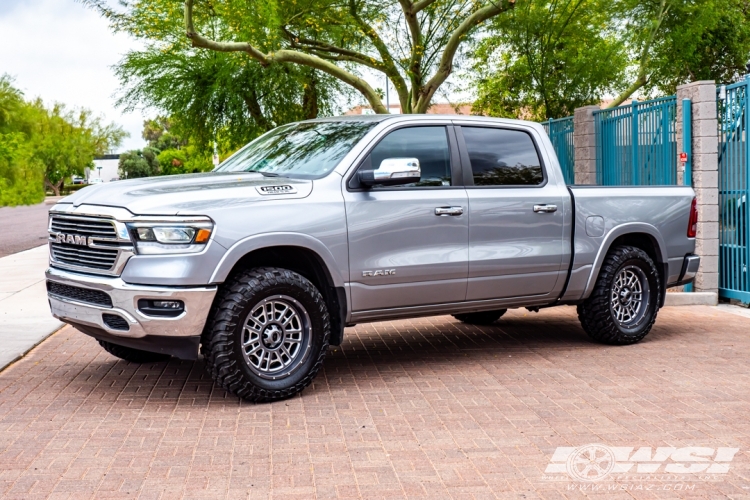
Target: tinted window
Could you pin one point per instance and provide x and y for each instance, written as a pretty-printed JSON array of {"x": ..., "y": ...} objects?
[
  {"x": 502, "y": 157},
  {"x": 303, "y": 150},
  {"x": 428, "y": 144}
]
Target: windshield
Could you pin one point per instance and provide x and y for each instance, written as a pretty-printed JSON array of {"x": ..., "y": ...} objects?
[{"x": 302, "y": 150}]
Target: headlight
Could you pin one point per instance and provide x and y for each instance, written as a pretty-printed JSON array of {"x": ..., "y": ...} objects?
[{"x": 173, "y": 236}]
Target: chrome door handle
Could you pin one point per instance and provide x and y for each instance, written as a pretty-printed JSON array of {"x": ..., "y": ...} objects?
[
  {"x": 443, "y": 211},
  {"x": 545, "y": 208}
]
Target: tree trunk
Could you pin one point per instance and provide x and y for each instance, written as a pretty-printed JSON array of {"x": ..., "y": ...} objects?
[
  {"x": 310, "y": 98},
  {"x": 55, "y": 188}
]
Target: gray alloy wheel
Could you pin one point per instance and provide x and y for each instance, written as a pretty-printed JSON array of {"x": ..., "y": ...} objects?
[
  {"x": 276, "y": 337},
  {"x": 630, "y": 296}
]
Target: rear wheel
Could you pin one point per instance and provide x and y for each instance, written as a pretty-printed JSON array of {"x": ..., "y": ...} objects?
[
  {"x": 623, "y": 306},
  {"x": 132, "y": 355},
  {"x": 480, "y": 318},
  {"x": 268, "y": 334}
]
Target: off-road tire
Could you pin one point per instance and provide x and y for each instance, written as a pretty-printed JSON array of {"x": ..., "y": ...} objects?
[
  {"x": 596, "y": 313},
  {"x": 221, "y": 344},
  {"x": 132, "y": 355},
  {"x": 480, "y": 318}
]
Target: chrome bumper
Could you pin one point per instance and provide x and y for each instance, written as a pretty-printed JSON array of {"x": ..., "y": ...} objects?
[
  {"x": 125, "y": 297},
  {"x": 689, "y": 269}
]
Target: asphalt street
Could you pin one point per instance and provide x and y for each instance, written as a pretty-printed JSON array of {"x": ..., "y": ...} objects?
[{"x": 23, "y": 227}]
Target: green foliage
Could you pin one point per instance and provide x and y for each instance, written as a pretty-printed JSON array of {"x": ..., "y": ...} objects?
[
  {"x": 301, "y": 47},
  {"x": 45, "y": 146},
  {"x": 696, "y": 40},
  {"x": 543, "y": 60},
  {"x": 168, "y": 153},
  {"x": 139, "y": 163}
]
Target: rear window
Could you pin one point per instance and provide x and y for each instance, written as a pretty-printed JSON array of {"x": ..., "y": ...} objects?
[{"x": 502, "y": 157}]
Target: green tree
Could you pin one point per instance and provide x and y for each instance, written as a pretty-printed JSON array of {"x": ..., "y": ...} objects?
[
  {"x": 413, "y": 43},
  {"x": 139, "y": 163},
  {"x": 671, "y": 42},
  {"x": 544, "y": 59},
  {"x": 65, "y": 142},
  {"x": 216, "y": 96}
]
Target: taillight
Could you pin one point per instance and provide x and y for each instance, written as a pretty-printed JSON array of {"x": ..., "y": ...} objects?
[{"x": 693, "y": 224}]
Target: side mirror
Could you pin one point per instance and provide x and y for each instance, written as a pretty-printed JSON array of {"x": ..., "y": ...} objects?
[{"x": 392, "y": 172}]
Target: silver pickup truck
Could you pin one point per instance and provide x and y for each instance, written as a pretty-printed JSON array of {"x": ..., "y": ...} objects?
[{"x": 315, "y": 226}]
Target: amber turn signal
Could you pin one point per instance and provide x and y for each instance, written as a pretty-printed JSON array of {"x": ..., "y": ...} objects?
[{"x": 202, "y": 236}]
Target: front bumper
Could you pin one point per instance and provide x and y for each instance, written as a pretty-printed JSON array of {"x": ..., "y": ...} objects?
[{"x": 137, "y": 328}]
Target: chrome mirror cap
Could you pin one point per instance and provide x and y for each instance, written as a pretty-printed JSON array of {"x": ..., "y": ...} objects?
[{"x": 392, "y": 171}]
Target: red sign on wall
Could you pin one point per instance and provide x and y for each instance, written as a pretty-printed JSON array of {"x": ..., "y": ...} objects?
[{"x": 683, "y": 157}]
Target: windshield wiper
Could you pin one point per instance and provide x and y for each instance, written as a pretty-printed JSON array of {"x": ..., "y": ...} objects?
[{"x": 271, "y": 174}]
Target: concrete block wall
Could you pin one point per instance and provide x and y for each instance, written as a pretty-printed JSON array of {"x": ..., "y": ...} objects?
[
  {"x": 705, "y": 168},
  {"x": 584, "y": 144}
]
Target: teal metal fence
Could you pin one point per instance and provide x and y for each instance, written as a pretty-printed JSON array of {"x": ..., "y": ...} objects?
[
  {"x": 560, "y": 132},
  {"x": 734, "y": 190},
  {"x": 636, "y": 144}
]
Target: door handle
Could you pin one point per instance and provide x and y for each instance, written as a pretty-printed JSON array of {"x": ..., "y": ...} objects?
[
  {"x": 545, "y": 208},
  {"x": 444, "y": 211}
]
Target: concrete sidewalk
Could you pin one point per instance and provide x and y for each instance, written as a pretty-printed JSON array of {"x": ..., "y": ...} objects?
[{"x": 25, "y": 319}]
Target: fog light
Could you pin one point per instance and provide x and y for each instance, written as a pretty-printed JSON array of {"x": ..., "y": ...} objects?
[
  {"x": 163, "y": 308},
  {"x": 168, "y": 304}
]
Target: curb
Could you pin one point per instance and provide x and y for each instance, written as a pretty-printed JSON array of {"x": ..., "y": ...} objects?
[
  {"x": 22, "y": 355},
  {"x": 692, "y": 299}
]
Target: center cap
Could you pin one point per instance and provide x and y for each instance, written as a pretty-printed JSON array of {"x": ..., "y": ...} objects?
[
  {"x": 272, "y": 336},
  {"x": 625, "y": 295}
]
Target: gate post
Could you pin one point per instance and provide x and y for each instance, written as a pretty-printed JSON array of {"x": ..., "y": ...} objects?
[
  {"x": 705, "y": 174},
  {"x": 584, "y": 143}
]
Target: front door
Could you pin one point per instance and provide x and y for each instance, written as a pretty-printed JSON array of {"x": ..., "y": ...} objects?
[
  {"x": 408, "y": 245},
  {"x": 515, "y": 213}
]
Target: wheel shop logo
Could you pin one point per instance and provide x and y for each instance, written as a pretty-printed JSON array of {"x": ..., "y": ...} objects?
[
  {"x": 591, "y": 462},
  {"x": 596, "y": 462}
]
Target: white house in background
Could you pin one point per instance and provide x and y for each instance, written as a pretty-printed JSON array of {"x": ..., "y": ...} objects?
[{"x": 105, "y": 167}]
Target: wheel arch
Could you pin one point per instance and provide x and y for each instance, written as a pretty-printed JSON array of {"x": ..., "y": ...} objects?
[
  {"x": 302, "y": 254},
  {"x": 640, "y": 235}
]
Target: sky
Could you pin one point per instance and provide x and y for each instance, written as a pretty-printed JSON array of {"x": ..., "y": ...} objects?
[{"x": 63, "y": 52}]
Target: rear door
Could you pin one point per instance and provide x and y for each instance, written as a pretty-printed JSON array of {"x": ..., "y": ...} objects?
[
  {"x": 408, "y": 245},
  {"x": 515, "y": 213}
]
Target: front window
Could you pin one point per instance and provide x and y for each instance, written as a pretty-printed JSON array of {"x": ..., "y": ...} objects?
[{"x": 301, "y": 150}]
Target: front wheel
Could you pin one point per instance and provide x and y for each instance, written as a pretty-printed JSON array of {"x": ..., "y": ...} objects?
[
  {"x": 623, "y": 306},
  {"x": 268, "y": 334}
]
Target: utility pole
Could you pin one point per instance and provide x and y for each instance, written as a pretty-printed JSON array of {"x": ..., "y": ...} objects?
[{"x": 387, "y": 100}]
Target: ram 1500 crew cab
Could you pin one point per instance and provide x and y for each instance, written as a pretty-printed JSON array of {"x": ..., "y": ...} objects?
[{"x": 260, "y": 264}]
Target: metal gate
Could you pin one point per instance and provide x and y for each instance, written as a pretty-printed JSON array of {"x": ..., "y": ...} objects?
[
  {"x": 734, "y": 190},
  {"x": 560, "y": 132},
  {"x": 637, "y": 144}
]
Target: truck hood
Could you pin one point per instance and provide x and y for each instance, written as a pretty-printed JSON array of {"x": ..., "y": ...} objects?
[{"x": 190, "y": 194}]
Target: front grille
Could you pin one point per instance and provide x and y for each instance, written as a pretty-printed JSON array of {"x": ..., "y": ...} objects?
[
  {"x": 81, "y": 226},
  {"x": 95, "y": 258},
  {"x": 80, "y": 294},
  {"x": 103, "y": 232},
  {"x": 115, "y": 322}
]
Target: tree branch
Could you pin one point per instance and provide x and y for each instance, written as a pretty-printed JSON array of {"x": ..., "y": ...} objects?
[
  {"x": 446, "y": 61},
  {"x": 290, "y": 56},
  {"x": 391, "y": 71},
  {"x": 642, "y": 78}
]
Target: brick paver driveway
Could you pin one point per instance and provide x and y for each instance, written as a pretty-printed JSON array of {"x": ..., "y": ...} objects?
[{"x": 427, "y": 408}]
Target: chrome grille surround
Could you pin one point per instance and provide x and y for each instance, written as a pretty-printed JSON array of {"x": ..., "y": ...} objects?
[{"x": 98, "y": 245}]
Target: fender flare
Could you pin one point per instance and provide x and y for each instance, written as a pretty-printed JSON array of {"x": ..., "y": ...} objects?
[
  {"x": 267, "y": 240},
  {"x": 612, "y": 235}
]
